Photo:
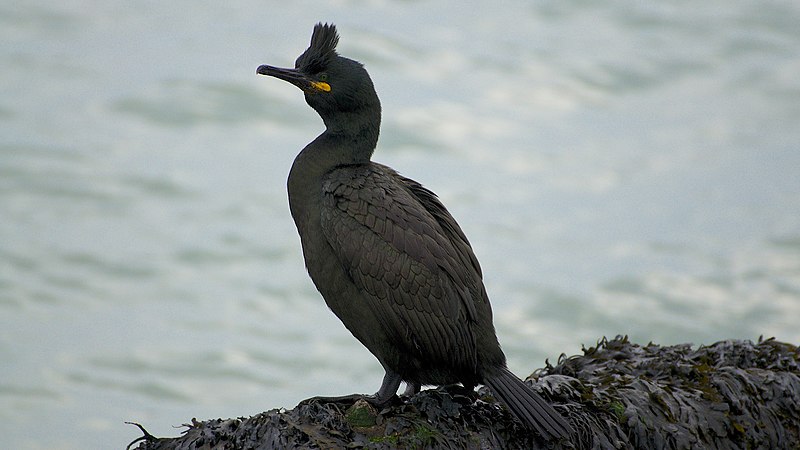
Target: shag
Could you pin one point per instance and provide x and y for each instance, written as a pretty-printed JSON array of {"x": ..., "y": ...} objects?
[{"x": 384, "y": 252}]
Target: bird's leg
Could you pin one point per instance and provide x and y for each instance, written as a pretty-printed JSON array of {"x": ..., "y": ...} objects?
[
  {"x": 412, "y": 389},
  {"x": 467, "y": 390},
  {"x": 388, "y": 389}
]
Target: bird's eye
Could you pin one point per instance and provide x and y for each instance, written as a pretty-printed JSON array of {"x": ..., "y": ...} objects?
[{"x": 322, "y": 76}]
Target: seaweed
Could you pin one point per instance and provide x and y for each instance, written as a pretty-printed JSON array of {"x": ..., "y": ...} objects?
[{"x": 734, "y": 394}]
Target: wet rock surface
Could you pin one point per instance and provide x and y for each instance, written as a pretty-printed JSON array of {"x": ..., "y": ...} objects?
[{"x": 729, "y": 395}]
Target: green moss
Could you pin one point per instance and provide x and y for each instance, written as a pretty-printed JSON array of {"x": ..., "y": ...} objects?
[
  {"x": 425, "y": 434},
  {"x": 361, "y": 415},
  {"x": 393, "y": 439},
  {"x": 618, "y": 409}
]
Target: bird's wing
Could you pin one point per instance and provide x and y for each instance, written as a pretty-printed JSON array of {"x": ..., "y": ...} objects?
[{"x": 408, "y": 256}]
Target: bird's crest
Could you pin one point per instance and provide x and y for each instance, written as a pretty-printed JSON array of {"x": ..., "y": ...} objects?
[{"x": 321, "y": 51}]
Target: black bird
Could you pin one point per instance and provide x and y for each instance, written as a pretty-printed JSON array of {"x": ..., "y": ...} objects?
[{"x": 389, "y": 259}]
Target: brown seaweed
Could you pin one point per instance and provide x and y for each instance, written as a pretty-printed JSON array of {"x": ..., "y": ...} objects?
[{"x": 734, "y": 394}]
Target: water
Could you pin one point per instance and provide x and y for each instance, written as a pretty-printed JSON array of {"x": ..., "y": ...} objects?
[{"x": 621, "y": 168}]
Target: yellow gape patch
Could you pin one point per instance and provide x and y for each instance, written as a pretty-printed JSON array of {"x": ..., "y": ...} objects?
[{"x": 321, "y": 86}]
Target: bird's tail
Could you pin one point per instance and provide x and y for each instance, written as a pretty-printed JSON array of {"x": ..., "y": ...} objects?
[{"x": 527, "y": 405}]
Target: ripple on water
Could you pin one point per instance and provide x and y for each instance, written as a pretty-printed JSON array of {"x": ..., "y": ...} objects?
[{"x": 185, "y": 102}]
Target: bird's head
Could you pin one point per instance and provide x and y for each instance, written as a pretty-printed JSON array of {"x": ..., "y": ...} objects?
[{"x": 333, "y": 85}]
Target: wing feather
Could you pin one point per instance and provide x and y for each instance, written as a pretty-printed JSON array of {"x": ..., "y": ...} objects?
[{"x": 408, "y": 256}]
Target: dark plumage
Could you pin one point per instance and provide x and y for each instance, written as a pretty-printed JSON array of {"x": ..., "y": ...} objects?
[{"x": 387, "y": 256}]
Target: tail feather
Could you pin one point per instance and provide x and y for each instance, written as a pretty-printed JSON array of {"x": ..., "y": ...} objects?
[{"x": 527, "y": 405}]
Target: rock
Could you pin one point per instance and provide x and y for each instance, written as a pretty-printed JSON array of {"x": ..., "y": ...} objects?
[{"x": 729, "y": 395}]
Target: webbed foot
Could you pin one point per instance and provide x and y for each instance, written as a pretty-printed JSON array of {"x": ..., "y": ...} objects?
[{"x": 386, "y": 394}]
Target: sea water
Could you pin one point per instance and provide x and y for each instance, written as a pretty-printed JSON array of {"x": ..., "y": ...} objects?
[{"x": 619, "y": 168}]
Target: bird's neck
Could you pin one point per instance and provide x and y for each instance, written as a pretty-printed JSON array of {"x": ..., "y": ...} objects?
[
  {"x": 346, "y": 141},
  {"x": 353, "y": 134},
  {"x": 349, "y": 138}
]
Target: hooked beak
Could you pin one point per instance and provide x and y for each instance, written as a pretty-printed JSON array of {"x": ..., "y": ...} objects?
[{"x": 295, "y": 77}]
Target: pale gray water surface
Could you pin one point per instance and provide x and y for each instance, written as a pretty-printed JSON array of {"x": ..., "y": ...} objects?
[{"x": 620, "y": 168}]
